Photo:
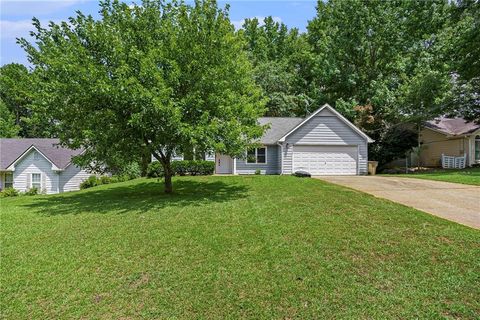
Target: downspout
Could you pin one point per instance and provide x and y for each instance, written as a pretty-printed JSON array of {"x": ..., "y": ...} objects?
[{"x": 281, "y": 156}]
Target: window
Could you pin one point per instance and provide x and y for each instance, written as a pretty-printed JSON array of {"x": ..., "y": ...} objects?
[
  {"x": 477, "y": 148},
  {"x": 36, "y": 155},
  {"x": 8, "y": 180},
  {"x": 257, "y": 155},
  {"x": 36, "y": 180}
]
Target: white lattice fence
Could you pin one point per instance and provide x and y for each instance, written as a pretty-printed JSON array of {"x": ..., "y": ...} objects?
[{"x": 452, "y": 162}]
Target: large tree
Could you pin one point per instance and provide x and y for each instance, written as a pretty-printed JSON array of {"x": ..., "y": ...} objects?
[
  {"x": 283, "y": 64},
  {"x": 8, "y": 128},
  {"x": 157, "y": 77}
]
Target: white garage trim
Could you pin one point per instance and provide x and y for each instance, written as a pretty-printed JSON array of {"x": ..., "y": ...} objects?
[{"x": 326, "y": 159}]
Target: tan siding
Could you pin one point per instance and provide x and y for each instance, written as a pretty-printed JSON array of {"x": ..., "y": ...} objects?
[{"x": 435, "y": 144}]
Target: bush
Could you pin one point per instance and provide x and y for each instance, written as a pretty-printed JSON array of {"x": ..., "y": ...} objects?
[
  {"x": 9, "y": 192},
  {"x": 182, "y": 168},
  {"x": 130, "y": 171},
  {"x": 258, "y": 172},
  {"x": 92, "y": 181},
  {"x": 155, "y": 170},
  {"x": 31, "y": 192}
]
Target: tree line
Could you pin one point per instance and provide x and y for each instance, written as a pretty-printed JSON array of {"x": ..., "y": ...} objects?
[{"x": 185, "y": 72}]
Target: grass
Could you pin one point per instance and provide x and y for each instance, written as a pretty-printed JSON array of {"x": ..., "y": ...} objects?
[
  {"x": 261, "y": 247},
  {"x": 465, "y": 176}
]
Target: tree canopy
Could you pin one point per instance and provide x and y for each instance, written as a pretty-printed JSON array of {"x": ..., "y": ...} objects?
[{"x": 156, "y": 76}]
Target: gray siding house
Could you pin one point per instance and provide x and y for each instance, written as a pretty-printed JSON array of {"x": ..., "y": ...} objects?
[
  {"x": 39, "y": 163},
  {"x": 324, "y": 143}
]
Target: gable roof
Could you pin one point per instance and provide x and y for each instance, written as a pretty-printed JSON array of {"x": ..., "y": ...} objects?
[
  {"x": 12, "y": 150},
  {"x": 342, "y": 118},
  {"x": 452, "y": 126},
  {"x": 278, "y": 127}
]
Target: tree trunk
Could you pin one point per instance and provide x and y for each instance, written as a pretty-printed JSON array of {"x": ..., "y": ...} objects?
[
  {"x": 145, "y": 161},
  {"x": 168, "y": 183}
]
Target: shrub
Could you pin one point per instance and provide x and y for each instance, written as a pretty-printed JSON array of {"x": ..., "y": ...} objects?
[
  {"x": 130, "y": 171},
  {"x": 180, "y": 167},
  {"x": 9, "y": 192},
  {"x": 155, "y": 170},
  {"x": 31, "y": 192},
  {"x": 92, "y": 181},
  {"x": 104, "y": 180},
  {"x": 258, "y": 172}
]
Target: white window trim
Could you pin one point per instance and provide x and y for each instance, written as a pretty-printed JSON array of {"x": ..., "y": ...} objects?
[
  {"x": 256, "y": 156},
  {"x": 5, "y": 180},
  {"x": 31, "y": 180}
]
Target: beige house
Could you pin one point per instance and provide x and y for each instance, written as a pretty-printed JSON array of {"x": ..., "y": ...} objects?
[{"x": 451, "y": 137}]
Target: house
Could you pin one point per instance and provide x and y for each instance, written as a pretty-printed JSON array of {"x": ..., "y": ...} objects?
[
  {"x": 450, "y": 137},
  {"x": 39, "y": 163},
  {"x": 324, "y": 143}
]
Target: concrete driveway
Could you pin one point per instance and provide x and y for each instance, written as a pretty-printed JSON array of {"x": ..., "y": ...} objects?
[{"x": 452, "y": 201}]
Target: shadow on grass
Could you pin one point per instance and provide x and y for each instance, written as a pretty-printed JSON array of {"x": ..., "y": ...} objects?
[{"x": 139, "y": 197}]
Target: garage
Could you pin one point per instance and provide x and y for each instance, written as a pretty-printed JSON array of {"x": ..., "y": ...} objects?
[{"x": 326, "y": 160}]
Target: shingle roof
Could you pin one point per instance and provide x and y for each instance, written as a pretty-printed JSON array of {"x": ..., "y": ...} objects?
[
  {"x": 452, "y": 126},
  {"x": 11, "y": 149},
  {"x": 278, "y": 128}
]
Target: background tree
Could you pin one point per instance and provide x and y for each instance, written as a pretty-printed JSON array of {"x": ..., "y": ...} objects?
[
  {"x": 157, "y": 77},
  {"x": 8, "y": 128},
  {"x": 282, "y": 61},
  {"x": 461, "y": 51},
  {"x": 372, "y": 53}
]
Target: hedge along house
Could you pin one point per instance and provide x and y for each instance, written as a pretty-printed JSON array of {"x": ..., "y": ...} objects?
[
  {"x": 39, "y": 163},
  {"x": 324, "y": 143}
]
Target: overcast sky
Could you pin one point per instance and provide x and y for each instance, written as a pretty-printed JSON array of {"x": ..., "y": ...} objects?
[{"x": 16, "y": 15}]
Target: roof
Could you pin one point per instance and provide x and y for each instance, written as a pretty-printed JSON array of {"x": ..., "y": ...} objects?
[
  {"x": 279, "y": 126},
  {"x": 12, "y": 149},
  {"x": 452, "y": 126}
]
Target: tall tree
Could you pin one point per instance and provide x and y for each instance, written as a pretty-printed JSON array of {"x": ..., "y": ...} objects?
[
  {"x": 8, "y": 128},
  {"x": 372, "y": 53},
  {"x": 157, "y": 77},
  {"x": 282, "y": 61},
  {"x": 15, "y": 92},
  {"x": 460, "y": 41}
]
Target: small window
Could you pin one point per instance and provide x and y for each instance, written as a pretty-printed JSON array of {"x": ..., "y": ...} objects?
[
  {"x": 8, "y": 180},
  {"x": 36, "y": 155},
  {"x": 257, "y": 155},
  {"x": 36, "y": 180}
]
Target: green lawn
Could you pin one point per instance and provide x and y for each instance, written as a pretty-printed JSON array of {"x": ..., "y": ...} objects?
[
  {"x": 465, "y": 176},
  {"x": 256, "y": 247}
]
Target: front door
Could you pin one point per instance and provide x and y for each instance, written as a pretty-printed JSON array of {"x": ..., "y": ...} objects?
[{"x": 223, "y": 164}]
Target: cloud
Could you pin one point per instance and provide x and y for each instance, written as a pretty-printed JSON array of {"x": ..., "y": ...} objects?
[
  {"x": 15, "y": 29},
  {"x": 239, "y": 23},
  {"x": 35, "y": 8},
  {"x": 21, "y": 28}
]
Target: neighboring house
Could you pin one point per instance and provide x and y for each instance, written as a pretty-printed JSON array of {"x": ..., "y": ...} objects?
[
  {"x": 324, "y": 143},
  {"x": 39, "y": 163},
  {"x": 451, "y": 137}
]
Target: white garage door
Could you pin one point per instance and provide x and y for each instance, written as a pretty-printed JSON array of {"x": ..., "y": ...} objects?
[{"x": 325, "y": 160}]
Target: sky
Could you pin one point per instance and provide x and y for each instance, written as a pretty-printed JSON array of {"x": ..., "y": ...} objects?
[{"x": 16, "y": 17}]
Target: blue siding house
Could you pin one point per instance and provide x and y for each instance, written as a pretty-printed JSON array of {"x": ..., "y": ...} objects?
[{"x": 324, "y": 143}]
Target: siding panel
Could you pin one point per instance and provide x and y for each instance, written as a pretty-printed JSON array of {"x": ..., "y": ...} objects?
[
  {"x": 71, "y": 178},
  {"x": 271, "y": 167}
]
